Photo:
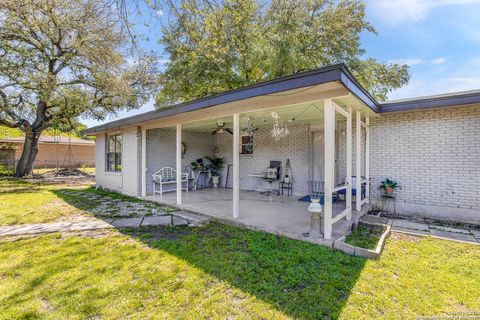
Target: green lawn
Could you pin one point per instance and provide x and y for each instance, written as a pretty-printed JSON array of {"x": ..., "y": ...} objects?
[
  {"x": 26, "y": 202},
  {"x": 224, "y": 272}
]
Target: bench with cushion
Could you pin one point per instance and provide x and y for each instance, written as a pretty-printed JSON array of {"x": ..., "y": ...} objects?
[{"x": 167, "y": 176}]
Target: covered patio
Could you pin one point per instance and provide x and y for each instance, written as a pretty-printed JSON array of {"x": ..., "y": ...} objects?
[
  {"x": 274, "y": 214},
  {"x": 312, "y": 126}
]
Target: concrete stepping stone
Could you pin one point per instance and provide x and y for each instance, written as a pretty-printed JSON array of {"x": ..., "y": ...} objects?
[
  {"x": 157, "y": 221},
  {"x": 406, "y": 224},
  {"x": 179, "y": 221},
  {"x": 127, "y": 222},
  {"x": 453, "y": 235},
  {"x": 476, "y": 233}
]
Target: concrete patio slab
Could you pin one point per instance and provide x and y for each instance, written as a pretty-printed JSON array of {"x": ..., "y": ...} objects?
[
  {"x": 406, "y": 224},
  {"x": 127, "y": 222},
  {"x": 453, "y": 235},
  {"x": 475, "y": 233},
  {"x": 449, "y": 229}
]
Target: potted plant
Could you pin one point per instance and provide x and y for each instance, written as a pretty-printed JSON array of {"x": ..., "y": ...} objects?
[
  {"x": 216, "y": 166},
  {"x": 389, "y": 186}
]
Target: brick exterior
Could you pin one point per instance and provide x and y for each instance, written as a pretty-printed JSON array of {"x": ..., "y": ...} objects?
[{"x": 434, "y": 154}]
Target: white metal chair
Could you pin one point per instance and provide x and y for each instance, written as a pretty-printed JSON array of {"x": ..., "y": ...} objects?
[{"x": 168, "y": 175}]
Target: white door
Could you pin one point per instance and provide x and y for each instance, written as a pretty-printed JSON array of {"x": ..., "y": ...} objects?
[{"x": 318, "y": 156}]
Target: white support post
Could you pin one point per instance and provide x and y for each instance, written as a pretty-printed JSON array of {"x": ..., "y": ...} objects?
[
  {"x": 144, "y": 162},
  {"x": 358, "y": 163},
  {"x": 367, "y": 159},
  {"x": 349, "y": 165},
  {"x": 236, "y": 166},
  {"x": 179, "y": 163},
  {"x": 329, "y": 127}
]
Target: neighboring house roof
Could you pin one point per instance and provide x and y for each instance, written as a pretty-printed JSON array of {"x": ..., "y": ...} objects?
[
  {"x": 52, "y": 139},
  {"x": 335, "y": 73},
  {"x": 440, "y": 100}
]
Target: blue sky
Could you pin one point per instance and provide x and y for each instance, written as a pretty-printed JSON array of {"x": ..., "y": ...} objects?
[{"x": 438, "y": 39}]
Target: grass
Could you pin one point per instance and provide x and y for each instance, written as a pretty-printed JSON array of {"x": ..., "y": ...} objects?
[
  {"x": 24, "y": 202},
  {"x": 221, "y": 272},
  {"x": 225, "y": 272},
  {"x": 365, "y": 236}
]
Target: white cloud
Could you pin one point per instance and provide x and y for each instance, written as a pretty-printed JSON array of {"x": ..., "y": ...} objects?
[
  {"x": 401, "y": 11},
  {"x": 407, "y": 61},
  {"x": 440, "y": 60},
  {"x": 159, "y": 12}
]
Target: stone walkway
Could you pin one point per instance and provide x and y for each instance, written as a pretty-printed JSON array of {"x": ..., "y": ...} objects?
[
  {"x": 426, "y": 229},
  {"x": 179, "y": 218}
]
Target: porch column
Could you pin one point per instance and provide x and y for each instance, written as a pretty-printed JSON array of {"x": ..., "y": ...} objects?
[
  {"x": 358, "y": 162},
  {"x": 329, "y": 127},
  {"x": 179, "y": 163},
  {"x": 144, "y": 162},
  {"x": 367, "y": 159},
  {"x": 348, "y": 196},
  {"x": 236, "y": 166}
]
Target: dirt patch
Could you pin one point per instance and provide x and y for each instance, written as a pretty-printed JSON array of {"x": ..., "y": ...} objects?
[
  {"x": 64, "y": 176},
  {"x": 404, "y": 237}
]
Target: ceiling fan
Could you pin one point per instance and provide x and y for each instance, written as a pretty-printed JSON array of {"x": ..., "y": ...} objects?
[{"x": 221, "y": 128}]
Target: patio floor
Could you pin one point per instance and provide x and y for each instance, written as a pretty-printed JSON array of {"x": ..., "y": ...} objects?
[{"x": 274, "y": 214}]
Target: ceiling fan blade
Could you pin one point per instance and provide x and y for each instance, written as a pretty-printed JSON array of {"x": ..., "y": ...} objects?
[
  {"x": 228, "y": 130},
  {"x": 214, "y": 131}
]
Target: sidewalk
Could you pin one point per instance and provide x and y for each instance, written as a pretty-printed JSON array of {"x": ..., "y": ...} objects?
[
  {"x": 179, "y": 218},
  {"x": 426, "y": 229}
]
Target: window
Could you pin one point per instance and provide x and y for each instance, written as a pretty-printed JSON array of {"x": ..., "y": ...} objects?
[
  {"x": 114, "y": 153},
  {"x": 246, "y": 146}
]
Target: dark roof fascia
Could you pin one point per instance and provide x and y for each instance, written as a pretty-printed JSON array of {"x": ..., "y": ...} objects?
[
  {"x": 349, "y": 81},
  {"x": 333, "y": 73},
  {"x": 431, "y": 102}
]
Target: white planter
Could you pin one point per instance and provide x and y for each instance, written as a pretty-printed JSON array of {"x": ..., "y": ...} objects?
[{"x": 215, "y": 181}]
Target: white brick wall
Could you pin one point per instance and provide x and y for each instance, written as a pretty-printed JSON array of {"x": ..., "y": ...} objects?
[
  {"x": 295, "y": 146},
  {"x": 434, "y": 154},
  {"x": 108, "y": 180},
  {"x": 161, "y": 150},
  {"x": 130, "y": 161}
]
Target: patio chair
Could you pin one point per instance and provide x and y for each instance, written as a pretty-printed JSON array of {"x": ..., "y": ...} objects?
[
  {"x": 273, "y": 174},
  {"x": 354, "y": 190},
  {"x": 167, "y": 176}
]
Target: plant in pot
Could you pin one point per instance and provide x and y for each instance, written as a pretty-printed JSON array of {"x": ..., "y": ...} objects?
[
  {"x": 389, "y": 186},
  {"x": 216, "y": 166}
]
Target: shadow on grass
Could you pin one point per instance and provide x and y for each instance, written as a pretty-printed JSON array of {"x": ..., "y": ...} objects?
[{"x": 303, "y": 280}]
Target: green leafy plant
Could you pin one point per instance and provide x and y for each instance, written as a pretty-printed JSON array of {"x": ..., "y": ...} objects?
[
  {"x": 389, "y": 186},
  {"x": 216, "y": 164}
]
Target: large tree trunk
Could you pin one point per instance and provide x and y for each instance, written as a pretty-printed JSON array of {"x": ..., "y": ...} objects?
[{"x": 30, "y": 150}]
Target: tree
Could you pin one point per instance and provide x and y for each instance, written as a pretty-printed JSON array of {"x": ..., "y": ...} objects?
[
  {"x": 62, "y": 59},
  {"x": 220, "y": 45}
]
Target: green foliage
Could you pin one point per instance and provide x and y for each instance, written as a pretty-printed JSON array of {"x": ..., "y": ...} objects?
[
  {"x": 216, "y": 164},
  {"x": 389, "y": 185},
  {"x": 365, "y": 236},
  {"x": 223, "y": 45}
]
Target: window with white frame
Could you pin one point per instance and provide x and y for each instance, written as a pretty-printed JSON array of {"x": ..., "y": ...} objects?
[{"x": 114, "y": 153}]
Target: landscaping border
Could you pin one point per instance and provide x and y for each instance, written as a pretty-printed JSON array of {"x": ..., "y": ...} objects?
[{"x": 341, "y": 245}]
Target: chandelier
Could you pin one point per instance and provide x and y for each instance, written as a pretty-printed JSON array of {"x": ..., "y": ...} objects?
[{"x": 280, "y": 129}]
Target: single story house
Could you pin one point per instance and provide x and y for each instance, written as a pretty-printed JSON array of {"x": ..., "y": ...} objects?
[
  {"x": 319, "y": 125},
  {"x": 54, "y": 152}
]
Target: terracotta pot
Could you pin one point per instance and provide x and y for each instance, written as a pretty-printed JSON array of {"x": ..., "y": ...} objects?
[{"x": 388, "y": 190}]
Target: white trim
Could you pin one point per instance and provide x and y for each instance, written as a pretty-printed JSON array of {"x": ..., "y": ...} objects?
[
  {"x": 339, "y": 216},
  {"x": 236, "y": 166},
  {"x": 144, "y": 163},
  {"x": 340, "y": 110},
  {"x": 367, "y": 160},
  {"x": 358, "y": 164},
  {"x": 348, "y": 196},
  {"x": 329, "y": 120},
  {"x": 179, "y": 163}
]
